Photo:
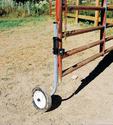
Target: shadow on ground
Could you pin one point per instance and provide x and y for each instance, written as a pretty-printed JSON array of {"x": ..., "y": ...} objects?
[{"x": 103, "y": 64}]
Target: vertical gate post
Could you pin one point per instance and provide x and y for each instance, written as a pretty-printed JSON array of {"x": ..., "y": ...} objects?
[
  {"x": 103, "y": 22},
  {"x": 59, "y": 22}
]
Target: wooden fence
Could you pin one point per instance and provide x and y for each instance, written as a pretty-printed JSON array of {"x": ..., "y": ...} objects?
[{"x": 96, "y": 19}]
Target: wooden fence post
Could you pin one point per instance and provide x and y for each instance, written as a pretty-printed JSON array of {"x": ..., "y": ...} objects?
[
  {"x": 77, "y": 12},
  {"x": 50, "y": 7},
  {"x": 96, "y": 14}
]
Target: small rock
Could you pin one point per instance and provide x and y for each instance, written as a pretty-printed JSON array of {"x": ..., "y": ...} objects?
[{"x": 74, "y": 77}]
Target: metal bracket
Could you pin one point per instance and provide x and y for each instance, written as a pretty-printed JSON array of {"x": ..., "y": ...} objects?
[
  {"x": 56, "y": 50},
  {"x": 55, "y": 45}
]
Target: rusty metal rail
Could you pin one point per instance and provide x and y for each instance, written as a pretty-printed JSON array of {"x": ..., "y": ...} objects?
[
  {"x": 86, "y": 30},
  {"x": 82, "y": 48},
  {"x": 85, "y": 47},
  {"x": 80, "y": 64},
  {"x": 86, "y": 61},
  {"x": 81, "y": 31}
]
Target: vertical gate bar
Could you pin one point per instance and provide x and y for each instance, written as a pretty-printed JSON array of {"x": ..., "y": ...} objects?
[
  {"x": 103, "y": 22},
  {"x": 59, "y": 22}
]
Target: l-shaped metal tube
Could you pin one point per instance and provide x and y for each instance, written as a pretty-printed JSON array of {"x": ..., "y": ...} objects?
[{"x": 55, "y": 82}]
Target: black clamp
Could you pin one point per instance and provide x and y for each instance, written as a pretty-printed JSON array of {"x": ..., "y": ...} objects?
[
  {"x": 56, "y": 50},
  {"x": 55, "y": 45}
]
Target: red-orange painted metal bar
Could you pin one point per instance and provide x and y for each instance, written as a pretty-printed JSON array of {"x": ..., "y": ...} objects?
[
  {"x": 82, "y": 48},
  {"x": 81, "y": 31},
  {"x": 85, "y": 47},
  {"x": 103, "y": 23},
  {"x": 86, "y": 61},
  {"x": 59, "y": 22},
  {"x": 80, "y": 64},
  {"x": 86, "y": 30}
]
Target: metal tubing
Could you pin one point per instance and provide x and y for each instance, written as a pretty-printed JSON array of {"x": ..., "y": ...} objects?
[
  {"x": 81, "y": 31},
  {"x": 55, "y": 83},
  {"x": 82, "y": 48},
  {"x": 80, "y": 64},
  {"x": 85, "y": 47},
  {"x": 84, "y": 62},
  {"x": 55, "y": 29},
  {"x": 59, "y": 21}
]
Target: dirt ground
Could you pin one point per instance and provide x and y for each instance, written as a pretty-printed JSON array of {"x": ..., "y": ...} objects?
[{"x": 26, "y": 61}]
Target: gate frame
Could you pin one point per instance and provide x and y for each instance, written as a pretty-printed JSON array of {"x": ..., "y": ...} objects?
[{"x": 103, "y": 39}]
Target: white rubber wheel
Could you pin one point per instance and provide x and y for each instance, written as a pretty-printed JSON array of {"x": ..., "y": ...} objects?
[{"x": 41, "y": 100}]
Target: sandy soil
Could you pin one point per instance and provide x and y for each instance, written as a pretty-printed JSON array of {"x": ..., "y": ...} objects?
[{"x": 26, "y": 60}]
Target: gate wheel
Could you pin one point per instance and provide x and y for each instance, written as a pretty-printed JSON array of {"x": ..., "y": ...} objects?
[{"x": 41, "y": 100}]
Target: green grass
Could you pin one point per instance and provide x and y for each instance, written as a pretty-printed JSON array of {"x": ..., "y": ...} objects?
[
  {"x": 9, "y": 23},
  {"x": 6, "y": 24}
]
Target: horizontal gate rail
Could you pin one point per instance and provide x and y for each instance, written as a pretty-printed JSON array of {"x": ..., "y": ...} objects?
[
  {"x": 81, "y": 31},
  {"x": 82, "y": 63},
  {"x": 85, "y": 47},
  {"x": 82, "y": 48},
  {"x": 86, "y": 61}
]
